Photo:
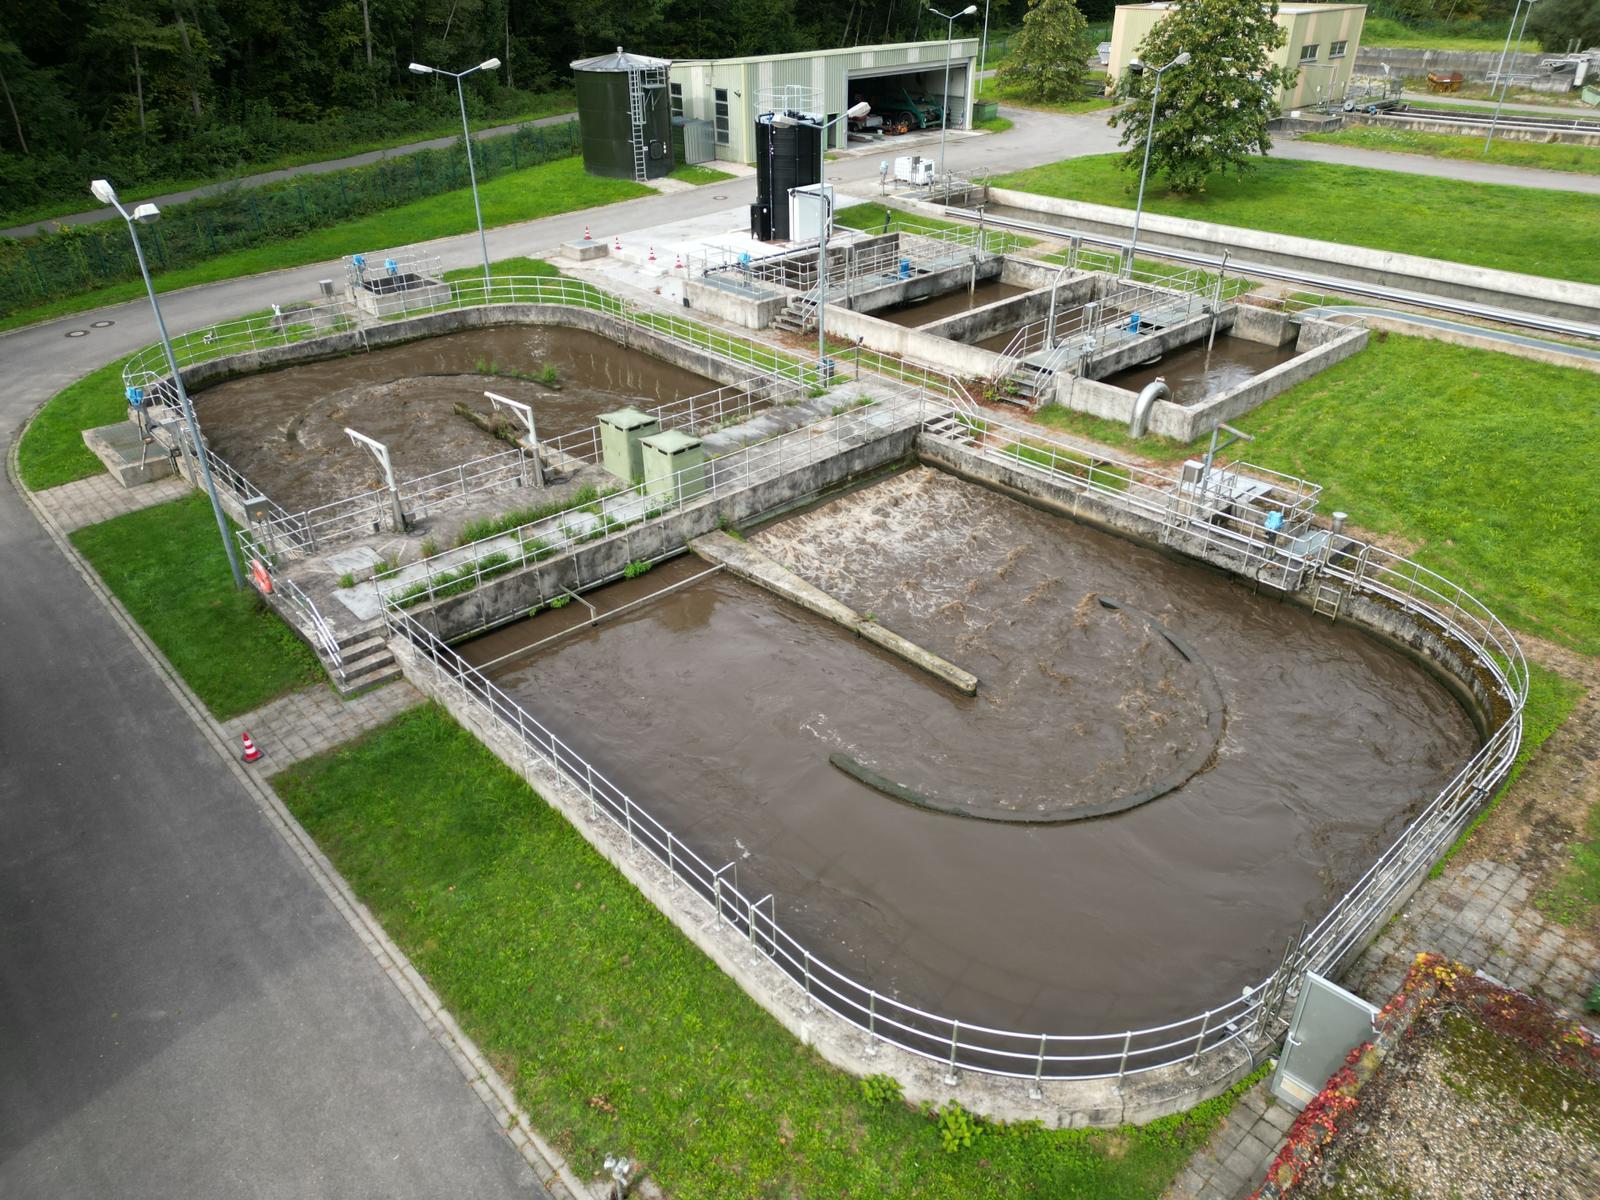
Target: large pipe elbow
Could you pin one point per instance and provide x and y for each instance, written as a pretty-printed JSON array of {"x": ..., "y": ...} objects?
[{"x": 1156, "y": 389}]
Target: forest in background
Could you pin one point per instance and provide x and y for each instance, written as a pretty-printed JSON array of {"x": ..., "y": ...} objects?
[{"x": 168, "y": 90}]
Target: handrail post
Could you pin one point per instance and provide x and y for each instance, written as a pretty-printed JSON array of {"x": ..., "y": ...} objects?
[
  {"x": 1199, "y": 1043},
  {"x": 872, "y": 1024},
  {"x": 806, "y": 1005},
  {"x": 1122, "y": 1064},
  {"x": 951, "y": 1077},
  {"x": 1036, "y": 1092}
]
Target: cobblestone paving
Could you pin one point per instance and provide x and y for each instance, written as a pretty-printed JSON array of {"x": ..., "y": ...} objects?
[
  {"x": 314, "y": 719},
  {"x": 1479, "y": 913},
  {"x": 100, "y": 497}
]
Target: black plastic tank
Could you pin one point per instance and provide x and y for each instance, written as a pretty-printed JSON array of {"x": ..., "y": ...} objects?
[
  {"x": 787, "y": 157},
  {"x": 605, "y": 116}
]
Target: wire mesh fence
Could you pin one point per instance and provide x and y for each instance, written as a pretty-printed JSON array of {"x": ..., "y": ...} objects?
[{"x": 81, "y": 257}]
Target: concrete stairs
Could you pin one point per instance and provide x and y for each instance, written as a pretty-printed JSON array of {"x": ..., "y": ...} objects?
[
  {"x": 799, "y": 315},
  {"x": 365, "y": 662}
]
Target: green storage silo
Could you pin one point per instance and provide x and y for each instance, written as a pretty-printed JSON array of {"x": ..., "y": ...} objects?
[{"x": 624, "y": 116}]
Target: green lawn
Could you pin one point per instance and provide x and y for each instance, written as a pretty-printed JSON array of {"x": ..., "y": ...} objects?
[
  {"x": 993, "y": 124},
  {"x": 617, "y": 1035},
  {"x": 696, "y": 174},
  {"x": 520, "y": 267},
  {"x": 996, "y": 89},
  {"x": 1533, "y": 230},
  {"x": 542, "y": 191},
  {"x": 52, "y": 451},
  {"x": 1484, "y": 461},
  {"x": 1546, "y": 157},
  {"x": 1383, "y": 31},
  {"x": 547, "y": 105},
  {"x": 167, "y": 566}
]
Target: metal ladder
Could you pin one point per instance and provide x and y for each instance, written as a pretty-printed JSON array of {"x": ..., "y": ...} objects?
[
  {"x": 1326, "y": 600},
  {"x": 638, "y": 81}
]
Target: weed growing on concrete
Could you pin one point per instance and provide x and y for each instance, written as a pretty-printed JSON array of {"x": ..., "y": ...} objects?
[
  {"x": 636, "y": 568},
  {"x": 957, "y": 1127},
  {"x": 880, "y": 1091},
  {"x": 560, "y": 601},
  {"x": 347, "y": 580}
]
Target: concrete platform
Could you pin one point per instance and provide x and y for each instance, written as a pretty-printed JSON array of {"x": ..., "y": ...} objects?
[{"x": 126, "y": 455}]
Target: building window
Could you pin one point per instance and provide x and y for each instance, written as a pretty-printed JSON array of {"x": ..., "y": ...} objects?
[
  {"x": 721, "y": 96},
  {"x": 1336, "y": 49},
  {"x": 675, "y": 91},
  {"x": 1309, "y": 53}
]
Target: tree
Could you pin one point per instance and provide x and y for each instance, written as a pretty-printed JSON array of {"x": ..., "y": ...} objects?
[
  {"x": 1556, "y": 23},
  {"x": 1214, "y": 110},
  {"x": 1049, "y": 54}
]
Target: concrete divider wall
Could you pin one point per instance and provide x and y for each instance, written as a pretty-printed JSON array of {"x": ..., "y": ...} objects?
[
  {"x": 1137, "y": 350},
  {"x": 394, "y": 333},
  {"x": 1529, "y": 293},
  {"x": 919, "y": 287},
  {"x": 968, "y": 362},
  {"x": 749, "y": 312},
  {"x": 979, "y": 323},
  {"x": 511, "y": 596},
  {"x": 1264, "y": 326}
]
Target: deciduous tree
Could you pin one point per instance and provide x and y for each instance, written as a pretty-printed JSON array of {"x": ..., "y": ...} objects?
[
  {"x": 1049, "y": 54},
  {"x": 1213, "y": 111}
]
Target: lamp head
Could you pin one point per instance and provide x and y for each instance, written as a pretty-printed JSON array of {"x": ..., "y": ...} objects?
[
  {"x": 1135, "y": 67},
  {"x": 419, "y": 69},
  {"x": 146, "y": 213},
  {"x": 103, "y": 191},
  {"x": 968, "y": 10},
  {"x": 489, "y": 64},
  {"x": 856, "y": 111},
  {"x": 1181, "y": 60}
]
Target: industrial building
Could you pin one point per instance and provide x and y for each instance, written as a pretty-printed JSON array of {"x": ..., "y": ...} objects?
[
  {"x": 908, "y": 78},
  {"x": 1322, "y": 43}
]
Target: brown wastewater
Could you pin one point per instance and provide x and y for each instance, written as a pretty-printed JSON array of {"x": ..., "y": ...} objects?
[
  {"x": 284, "y": 430},
  {"x": 718, "y": 707},
  {"x": 949, "y": 304},
  {"x": 1195, "y": 373}
]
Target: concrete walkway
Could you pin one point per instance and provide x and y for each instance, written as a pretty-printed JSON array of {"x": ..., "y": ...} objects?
[
  {"x": 1571, "y": 111},
  {"x": 306, "y": 723},
  {"x": 316, "y": 168},
  {"x": 1441, "y": 168},
  {"x": 100, "y": 497}
]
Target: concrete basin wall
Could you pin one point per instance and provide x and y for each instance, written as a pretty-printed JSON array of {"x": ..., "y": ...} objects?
[{"x": 1456, "y": 281}]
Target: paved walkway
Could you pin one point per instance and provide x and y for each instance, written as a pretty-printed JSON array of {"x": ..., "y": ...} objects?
[
  {"x": 265, "y": 177},
  {"x": 314, "y": 719},
  {"x": 100, "y": 497},
  {"x": 1429, "y": 100},
  {"x": 1444, "y": 168}
]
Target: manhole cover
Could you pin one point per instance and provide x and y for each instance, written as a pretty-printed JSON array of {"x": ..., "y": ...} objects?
[
  {"x": 101, "y": 324},
  {"x": 719, "y": 197},
  {"x": 77, "y": 333}
]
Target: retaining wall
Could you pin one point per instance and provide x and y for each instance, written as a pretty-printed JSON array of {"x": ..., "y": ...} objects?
[
  {"x": 1434, "y": 277},
  {"x": 1475, "y": 65},
  {"x": 1479, "y": 128}
]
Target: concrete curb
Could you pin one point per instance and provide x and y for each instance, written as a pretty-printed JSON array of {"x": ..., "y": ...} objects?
[{"x": 550, "y": 1167}]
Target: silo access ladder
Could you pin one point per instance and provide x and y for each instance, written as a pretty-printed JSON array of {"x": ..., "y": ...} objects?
[{"x": 638, "y": 81}]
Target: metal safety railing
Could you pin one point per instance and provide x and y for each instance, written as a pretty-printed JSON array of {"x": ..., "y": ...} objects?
[
  {"x": 464, "y": 568},
  {"x": 1247, "y": 1020}
]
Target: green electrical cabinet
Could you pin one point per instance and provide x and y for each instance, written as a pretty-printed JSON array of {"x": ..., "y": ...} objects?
[
  {"x": 621, "y": 433},
  {"x": 674, "y": 465}
]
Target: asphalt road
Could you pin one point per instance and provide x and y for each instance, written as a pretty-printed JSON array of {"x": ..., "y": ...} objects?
[{"x": 183, "y": 1012}]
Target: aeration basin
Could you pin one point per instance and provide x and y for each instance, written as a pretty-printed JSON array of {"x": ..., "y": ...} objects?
[{"x": 1265, "y": 755}]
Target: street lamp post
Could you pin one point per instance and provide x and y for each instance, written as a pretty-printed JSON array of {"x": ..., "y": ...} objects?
[
  {"x": 1139, "y": 68},
  {"x": 949, "y": 36},
  {"x": 983, "y": 49},
  {"x": 145, "y": 213},
  {"x": 1501, "y": 81},
  {"x": 488, "y": 64},
  {"x": 853, "y": 113}
]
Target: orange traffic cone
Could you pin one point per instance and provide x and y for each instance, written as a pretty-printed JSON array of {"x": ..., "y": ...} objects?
[
  {"x": 652, "y": 257},
  {"x": 618, "y": 246},
  {"x": 586, "y": 236},
  {"x": 677, "y": 261},
  {"x": 251, "y": 753}
]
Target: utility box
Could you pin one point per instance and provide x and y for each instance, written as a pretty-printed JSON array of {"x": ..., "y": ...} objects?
[
  {"x": 621, "y": 434},
  {"x": 674, "y": 465}
]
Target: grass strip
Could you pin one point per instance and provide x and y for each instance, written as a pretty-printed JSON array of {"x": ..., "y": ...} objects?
[
  {"x": 1482, "y": 461},
  {"x": 52, "y": 450},
  {"x": 1553, "y": 156},
  {"x": 526, "y": 195},
  {"x": 1436, "y": 35},
  {"x": 617, "y": 1035},
  {"x": 1537, "y": 231},
  {"x": 1551, "y": 699},
  {"x": 696, "y": 174},
  {"x": 167, "y": 566}
]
